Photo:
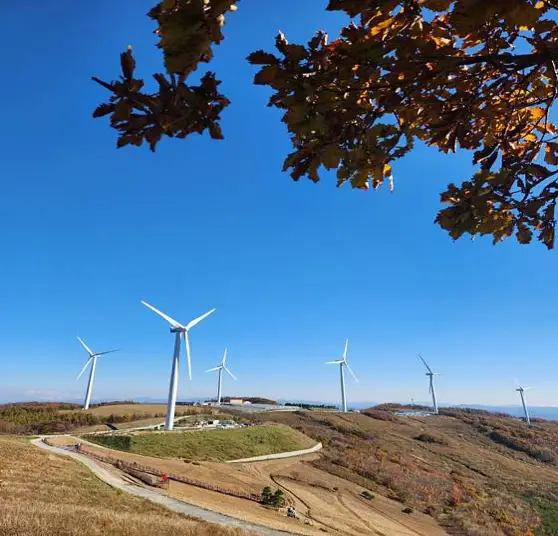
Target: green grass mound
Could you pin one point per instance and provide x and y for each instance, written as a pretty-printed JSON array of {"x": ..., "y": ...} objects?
[{"x": 209, "y": 445}]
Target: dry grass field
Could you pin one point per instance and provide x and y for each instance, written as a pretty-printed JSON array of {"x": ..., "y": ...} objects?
[
  {"x": 147, "y": 409},
  {"x": 470, "y": 472},
  {"x": 334, "y": 505},
  {"x": 47, "y": 495},
  {"x": 455, "y": 467}
]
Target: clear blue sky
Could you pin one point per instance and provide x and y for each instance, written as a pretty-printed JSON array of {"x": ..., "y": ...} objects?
[{"x": 293, "y": 268}]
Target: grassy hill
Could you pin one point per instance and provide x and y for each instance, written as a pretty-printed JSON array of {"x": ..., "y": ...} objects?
[
  {"x": 42, "y": 495},
  {"x": 209, "y": 445},
  {"x": 477, "y": 473},
  {"x": 50, "y": 417}
]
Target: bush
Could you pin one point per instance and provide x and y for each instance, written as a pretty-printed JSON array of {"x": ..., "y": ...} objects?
[
  {"x": 270, "y": 498},
  {"x": 407, "y": 510},
  {"x": 541, "y": 454},
  {"x": 380, "y": 415},
  {"x": 427, "y": 438}
]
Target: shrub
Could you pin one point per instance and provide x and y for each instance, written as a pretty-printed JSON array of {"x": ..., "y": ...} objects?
[
  {"x": 407, "y": 510},
  {"x": 380, "y": 415},
  {"x": 270, "y": 498},
  {"x": 427, "y": 438}
]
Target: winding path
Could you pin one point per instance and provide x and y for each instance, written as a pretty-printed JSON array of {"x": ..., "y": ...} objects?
[{"x": 168, "y": 502}]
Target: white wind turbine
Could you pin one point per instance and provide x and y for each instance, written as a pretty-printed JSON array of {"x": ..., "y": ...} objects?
[
  {"x": 431, "y": 389},
  {"x": 222, "y": 367},
  {"x": 93, "y": 360},
  {"x": 342, "y": 364},
  {"x": 180, "y": 332},
  {"x": 521, "y": 391}
]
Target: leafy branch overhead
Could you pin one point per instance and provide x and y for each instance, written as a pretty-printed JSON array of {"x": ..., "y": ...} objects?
[{"x": 454, "y": 74}]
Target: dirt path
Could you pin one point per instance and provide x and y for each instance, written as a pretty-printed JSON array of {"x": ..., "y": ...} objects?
[{"x": 158, "y": 498}]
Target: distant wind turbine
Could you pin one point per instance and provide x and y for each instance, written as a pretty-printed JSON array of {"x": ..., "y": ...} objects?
[
  {"x": 222, "y": 367},
  {"x": 181, "y": 333},
  {"x": 521, "y": 390},
  {"x": 342, "y": 364},
  {"x": 431, "y": 389},
  {"x": 93, "y": 360}
]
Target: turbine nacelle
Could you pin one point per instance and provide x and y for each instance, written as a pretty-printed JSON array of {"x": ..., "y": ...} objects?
[
  {"x": 343, "y": 361},
  {"x": 177, "y": 327},
  {"x": 223, "y": 366}
]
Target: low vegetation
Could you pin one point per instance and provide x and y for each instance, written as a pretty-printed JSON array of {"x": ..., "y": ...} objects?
[
  {"x": 311, "y": 406},
  {"x": 42, "y": 495},
  {"x": 209, "y": 445},
  {"x": 251, "y": 399},
  {"x": 429, "y": 438},
  {"x": 47, "y": 418},
  {"x": 548, "y": 512},
  {"x": 452, "y": 467}
]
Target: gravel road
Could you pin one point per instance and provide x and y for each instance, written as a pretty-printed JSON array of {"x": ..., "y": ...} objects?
[{"x": 161, "y": 499}]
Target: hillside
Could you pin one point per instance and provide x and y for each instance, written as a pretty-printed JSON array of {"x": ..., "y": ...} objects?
[
  {"x": 42, "y": 495},
  {"x": 49, "y": 417},
  {"x": 212, "y": 445},
  {"x": 476, "y": 473}
]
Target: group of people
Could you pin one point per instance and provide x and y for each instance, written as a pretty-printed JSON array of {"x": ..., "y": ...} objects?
[{"x": 291, "y": 511}]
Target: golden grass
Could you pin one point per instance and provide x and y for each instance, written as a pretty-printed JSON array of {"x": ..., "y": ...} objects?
[
  {"x": 42, "y": 494},
  {"x": 469, "y": 483}
]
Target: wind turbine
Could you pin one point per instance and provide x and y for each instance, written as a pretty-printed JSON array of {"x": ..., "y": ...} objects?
[
  {"x": 222, "y": 367},
  {"x": 431, "y": 389},
  {"x": 521, "y": 390},
  {"x": 343, "y": 363},
  {"x": 93, "y": 360},
  {"x": 180, "y": 332}
]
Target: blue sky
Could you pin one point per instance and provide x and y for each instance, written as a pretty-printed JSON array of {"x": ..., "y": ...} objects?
[{"x": 292, "y": 268}]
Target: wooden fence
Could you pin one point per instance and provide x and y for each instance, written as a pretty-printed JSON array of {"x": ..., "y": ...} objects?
[{"x": 130, "y": 467}]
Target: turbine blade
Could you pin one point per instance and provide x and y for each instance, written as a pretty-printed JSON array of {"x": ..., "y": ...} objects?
[
  {"x": 192, "y": 323},
  {"x": 108, "y": 352},
  {"x": 334, "y": 362},
  {"x": 224, "y": 357},
  {"x": 426, "y": 364},
  {"x": 351, "y": 371},
  {"x": 87, "y": 349},
  {"x": 170, "y": 320},
  {"x": 527, "y": 388},
  {"x": 213, "y": 369},
  {"x": 83, "y": 369},
  {"x": 231, "y": 374},
  {"x": 187, "y": 350},
  {"x": 345, "y": 350}
]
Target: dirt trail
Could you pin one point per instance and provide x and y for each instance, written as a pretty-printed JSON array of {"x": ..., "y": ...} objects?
[
  {"x": 117, "y": 482},
  {"x": 328, "y": 502}
]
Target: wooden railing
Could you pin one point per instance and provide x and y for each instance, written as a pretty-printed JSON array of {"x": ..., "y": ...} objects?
[{"x": 132, "y": 466}]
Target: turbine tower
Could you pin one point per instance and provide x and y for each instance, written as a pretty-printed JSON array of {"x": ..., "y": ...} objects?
[
  {"x": 431, "y": 389},
  {"x": 93, "y": 360},
  {"x": 222, "y": 367},
  {"x": 181, "y": 332},
  {"x": 521, "y": 390},
  {"x": 342, "y": 364}
]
